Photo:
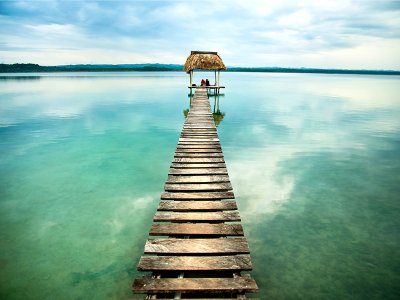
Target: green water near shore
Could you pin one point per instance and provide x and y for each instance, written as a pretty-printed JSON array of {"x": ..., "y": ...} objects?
[{"x": 314, "y": 161}]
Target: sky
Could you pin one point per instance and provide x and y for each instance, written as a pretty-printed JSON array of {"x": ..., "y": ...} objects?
[{"x": 349, "y": 34}]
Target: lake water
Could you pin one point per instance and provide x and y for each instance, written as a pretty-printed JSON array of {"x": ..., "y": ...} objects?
[{"x": 314, "y": 161}]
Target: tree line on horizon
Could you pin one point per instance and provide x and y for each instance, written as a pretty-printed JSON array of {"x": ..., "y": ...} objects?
[{"x": 33, "y": 68}]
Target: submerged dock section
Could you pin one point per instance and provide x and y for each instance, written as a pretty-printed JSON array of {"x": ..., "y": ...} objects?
[{"x": 199, "y": 249}]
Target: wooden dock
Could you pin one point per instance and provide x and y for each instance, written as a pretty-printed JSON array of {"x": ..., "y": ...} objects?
[{"x": 199, "y": 250}]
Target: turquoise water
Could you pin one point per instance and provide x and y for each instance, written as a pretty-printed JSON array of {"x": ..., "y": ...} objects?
[{"x": 314, "y": 161}]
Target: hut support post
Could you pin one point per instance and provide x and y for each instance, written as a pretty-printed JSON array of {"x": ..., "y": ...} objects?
[
  {"x": 191, "y": 79},
  {"x": 218, "y": 80},
  {"x": 215, "y": 77}
]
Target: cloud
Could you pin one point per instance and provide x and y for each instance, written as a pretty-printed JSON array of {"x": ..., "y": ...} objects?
[{"x": 251, "y": 33}]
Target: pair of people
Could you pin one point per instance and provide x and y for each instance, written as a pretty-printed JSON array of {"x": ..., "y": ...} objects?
[{"x": 205, "y": 82}]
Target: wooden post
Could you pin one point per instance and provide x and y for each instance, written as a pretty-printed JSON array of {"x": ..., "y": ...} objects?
[
  {"x": 215, "y": 77},
  {"x": 218, "y": 80},
  {"x": 191, "y": 78}
]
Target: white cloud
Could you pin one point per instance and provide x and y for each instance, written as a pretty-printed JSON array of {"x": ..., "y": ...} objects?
[{"x": 253, "y": 33}]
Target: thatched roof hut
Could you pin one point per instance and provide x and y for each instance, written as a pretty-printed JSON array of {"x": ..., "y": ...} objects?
[{"x": 203, "y": 60}]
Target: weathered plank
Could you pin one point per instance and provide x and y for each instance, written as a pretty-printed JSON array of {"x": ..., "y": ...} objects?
[
  {"x": 199, "y": 139},
  {"x": 197, "y": 195},
  {"x": 203, "y": 130},
  {"x": 197, "y": 150},
  {"x": 195, "y": 263},
  {"x": 197, "y": 178},
  {"x": 198, "y": 135},
  {"x": 197, "y": 160},
  {"x": 196, "y": 229},
  {"x": 200, "y": 121},
  {"x": 199, "y": 130},
  {"x": 198, "y": 146},
  {"x": 201, "y": 285},
  {"x": 198, "y": 155},
  {"x": 197, "y": 246},
  {"x": 198, "y": 171},
  {"x": 198, "y": 127},
  {"x": 197, "y": 205},
  {"x": 199, "y": 143},
  {"x": 168, "y": 216},
  {"x": 181, "y": 187},
  {"x": 201, "y": 166}
]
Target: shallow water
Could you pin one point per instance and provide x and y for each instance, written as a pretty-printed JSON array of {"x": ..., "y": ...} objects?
[{"x": 314, "y": 161}]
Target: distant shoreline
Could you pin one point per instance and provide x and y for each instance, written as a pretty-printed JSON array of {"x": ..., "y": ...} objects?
[{"x": 35, "y": 68}]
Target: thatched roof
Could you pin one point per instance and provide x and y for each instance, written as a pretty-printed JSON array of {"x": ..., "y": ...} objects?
[{"x": 204, "y": 61}]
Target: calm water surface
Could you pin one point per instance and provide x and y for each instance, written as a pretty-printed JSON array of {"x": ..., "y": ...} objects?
[{"x": 314, "y": 161}]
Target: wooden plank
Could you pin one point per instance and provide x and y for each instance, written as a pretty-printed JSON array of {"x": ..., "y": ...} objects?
[
  {"x": 194, "y": 160},
  {"x": 203, "y": 112},
  {"x": 168, "y": 216},
  {"x": 196, "y": 205},
  {"x": 177, "y": 187},
  {"x": 199, "y": 117},
  {"x": 194, "y": 285},
  {"x": 197, "y": 195},
  {"x": 198, "y": 171},
  {"x": 191, "y": 150},
  {"x": 200, "y": 106},
  {"x": 192, "y": 132},
  {"x": 199, "y": 131},
  {"x": 198, "y": 155},
  {"x": 199, "y": 127},
  {"x": 213, "y": 130},
  {"x": 198, "y": 146},
  {"x": 195, "y": 131},
  {"x": 171, "y": 229},
  {"x": 198, "y": 135},
  {"x": 199, "y": 121},
  {"x": 195, "y": 263},
  {"x": 197, "y": 246},
  {"x": 199, "y": 143},
  {"x": 199, "y": 139},
  {"x": 201, "y": 166},
  {"x": 197, "y": 178},
  {"x": 208, "y": 127}
]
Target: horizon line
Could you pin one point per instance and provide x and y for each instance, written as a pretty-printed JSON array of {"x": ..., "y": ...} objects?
[{"x": 241, "y": 67}]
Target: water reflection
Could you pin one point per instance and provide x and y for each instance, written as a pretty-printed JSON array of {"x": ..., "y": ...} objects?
[
  {"x": 314, "y": 162},
  {"x": 20, "y": 78},
  {"x": 217, "y": 114}
]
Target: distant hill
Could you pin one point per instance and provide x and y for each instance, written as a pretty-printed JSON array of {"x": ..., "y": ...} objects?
[
  {"x": 313, "y": 70},
  {"x": 27, "y": 68},
  {"x": 17, "y": 68}
]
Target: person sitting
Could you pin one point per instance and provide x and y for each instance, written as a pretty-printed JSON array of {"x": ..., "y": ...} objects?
[
  {"x": 207, "y": 82},
  {"x": 203, "y": 82}
]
